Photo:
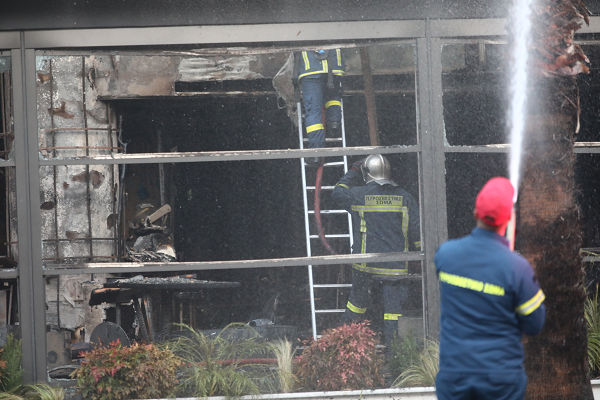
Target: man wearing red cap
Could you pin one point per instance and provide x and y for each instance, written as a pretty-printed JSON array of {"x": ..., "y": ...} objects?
[{"x": 490, "y": 297}]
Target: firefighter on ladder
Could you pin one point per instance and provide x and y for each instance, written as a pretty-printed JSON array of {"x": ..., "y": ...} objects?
[
  {"x": 385, "y": 218},
  {"x": 319, "y": 74}
]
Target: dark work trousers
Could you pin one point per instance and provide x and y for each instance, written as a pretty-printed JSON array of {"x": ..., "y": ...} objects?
[
  {"x": 502, "y": 385},
  {"x": 394, "y": 294},
  {"x": 315, "y": 96}
]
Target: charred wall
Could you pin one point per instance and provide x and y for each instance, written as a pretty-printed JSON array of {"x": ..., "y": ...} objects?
[{"x": 77, "y": 201}]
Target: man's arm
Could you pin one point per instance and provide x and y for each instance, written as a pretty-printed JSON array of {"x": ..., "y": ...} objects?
[
  {"x": 341, "y": 192},
  {"x": 533, "y": 323},
  {"x": 530, "y": 308}
]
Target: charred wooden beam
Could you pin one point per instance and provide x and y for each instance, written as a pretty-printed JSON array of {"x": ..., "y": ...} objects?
[{"x": 369, "y": 96}]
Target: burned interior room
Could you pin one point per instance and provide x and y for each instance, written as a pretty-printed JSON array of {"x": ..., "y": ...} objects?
[{"x": 241, "y": 210}]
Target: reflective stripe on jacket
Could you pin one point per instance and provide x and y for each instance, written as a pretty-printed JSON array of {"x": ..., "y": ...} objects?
[{"x": 311, "y": 65}]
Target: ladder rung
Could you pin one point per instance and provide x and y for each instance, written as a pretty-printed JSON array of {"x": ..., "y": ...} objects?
[
  {"x": 330, "y": 311},
  {"x": 333, "y": 285},
  {"x": 322, "y": 187},
  {"x": 333, "y": 164},
  {"x": 339, "y": 235},
  {"x": 329, "y": 211}
]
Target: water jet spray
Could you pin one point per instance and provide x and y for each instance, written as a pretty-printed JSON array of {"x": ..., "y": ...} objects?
[{"x": 519, "y": 31}]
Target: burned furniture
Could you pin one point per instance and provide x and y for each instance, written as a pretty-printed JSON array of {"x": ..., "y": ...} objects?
[{"x": 158, "y": 302}]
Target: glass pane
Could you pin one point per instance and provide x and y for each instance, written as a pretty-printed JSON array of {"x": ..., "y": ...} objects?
[
  {"x": 10, "y": 332},
  {"x": 393, "y": 80},
  {"x": 9, "y": 254},
  {"x": 474, "y": 94},
  {"x": 466, "y": 173},
  {"x": 8, "y": 201},
  {"x": 217, "y": 102},
  {"x": 589, "y": 116},
  {"x": 211, "y": 211},
  {"x": 78, "y": 213},
  {"x": 214, "y": 211},
  {"x": 232, "y": 211},
  {"x": 71, "y": 319},
  {"x": 6, "y": 120},
  {"x": 217, "y": 211},
  {"x": 207, "y": 211},
  {"x": 587, "y": 179}
]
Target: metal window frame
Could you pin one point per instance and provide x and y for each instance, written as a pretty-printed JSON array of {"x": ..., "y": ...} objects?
[{"x": 428, "y": 36}]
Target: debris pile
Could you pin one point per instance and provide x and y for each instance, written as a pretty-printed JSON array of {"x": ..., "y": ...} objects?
[{"x": 150, "y": 242}]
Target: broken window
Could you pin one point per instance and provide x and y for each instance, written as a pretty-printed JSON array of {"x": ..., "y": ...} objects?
[
  {"x": 588, "y": 136},
  {"x": 466, "y": 173},
  {"x": 474, "y": 85},
  {"x": 8, "y": 233},
  {"x": 186, "y": 165},
  {"x": 9, "y": 305}
]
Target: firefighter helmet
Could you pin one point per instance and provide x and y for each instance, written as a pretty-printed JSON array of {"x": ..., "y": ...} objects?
[{"x": 377, "y": 168}]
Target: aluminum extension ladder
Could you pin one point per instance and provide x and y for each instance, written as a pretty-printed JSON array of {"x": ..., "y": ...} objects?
[{"x": 307, "y": 213}]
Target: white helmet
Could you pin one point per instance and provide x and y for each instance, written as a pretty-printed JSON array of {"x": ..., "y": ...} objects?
[{"x": 377, "y": 168}]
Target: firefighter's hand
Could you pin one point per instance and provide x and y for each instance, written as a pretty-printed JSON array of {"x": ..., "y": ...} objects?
[{"x": 356, "y": 166}]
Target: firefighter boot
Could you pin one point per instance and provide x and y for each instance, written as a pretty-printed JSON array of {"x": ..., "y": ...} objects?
[{"x": 334, "y": 129}]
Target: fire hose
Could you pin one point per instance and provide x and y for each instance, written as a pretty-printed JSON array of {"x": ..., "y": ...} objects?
[{"x": 317, "y": 207}]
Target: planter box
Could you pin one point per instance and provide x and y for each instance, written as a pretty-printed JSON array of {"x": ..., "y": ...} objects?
[{"x": 427, "y": 393}]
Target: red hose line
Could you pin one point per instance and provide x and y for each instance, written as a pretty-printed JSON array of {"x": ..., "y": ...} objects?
[
  {"x": 246, "y": 361},
  {"x": 317, "y": 207}
]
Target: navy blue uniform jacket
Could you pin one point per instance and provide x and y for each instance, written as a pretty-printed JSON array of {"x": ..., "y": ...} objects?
[
  {"x": 489, "y": 298},
  {"x": 309, "y": 64},
  {"x": 385, "y": 218}
]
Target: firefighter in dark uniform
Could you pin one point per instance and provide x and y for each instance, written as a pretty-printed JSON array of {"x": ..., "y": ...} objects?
[
  {"x": 489, "y": 298},
  {"x": 385, "y": 218},
  {"x": 319, "y": 75}
]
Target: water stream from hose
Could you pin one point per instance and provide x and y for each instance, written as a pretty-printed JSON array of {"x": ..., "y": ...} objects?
[
  {"x": 519, "y": 31},
  {"x": 520, "y": 15}
]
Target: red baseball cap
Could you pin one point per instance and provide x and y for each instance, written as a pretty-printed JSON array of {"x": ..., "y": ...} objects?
[{"x": 494, "y": 202}]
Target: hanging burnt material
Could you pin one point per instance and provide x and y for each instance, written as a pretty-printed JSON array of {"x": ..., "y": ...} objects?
[
  {"x": 550, "y": 232},
  {"x": 282, "y": 82}
]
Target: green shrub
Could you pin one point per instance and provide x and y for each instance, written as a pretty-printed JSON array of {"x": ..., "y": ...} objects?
[
  {"x": 36, "y": 391},
  {"x": 405, "y": 352},
  {"x": 342, "y": 358},
  {"x": 10, "y": 365},
  {"x": 592, "y": 318},
  {"x": 138, "y": 371},
  {"x": 43, "y": 391},
  {"x": 285, "y": 354},
  {"x": 423, "y": 371},
  {"x": 221, "y": 364}
]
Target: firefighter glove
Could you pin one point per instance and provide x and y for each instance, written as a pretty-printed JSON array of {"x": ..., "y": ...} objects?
[{"x": 356, "y": 166}]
